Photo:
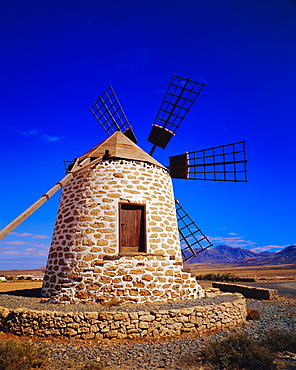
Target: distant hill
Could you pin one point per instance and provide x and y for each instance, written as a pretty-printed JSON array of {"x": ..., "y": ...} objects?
[
  {"x": 225, "y": 254},
  {"x": 22, "y": 272},
  {"x": 287, "y": 255}
]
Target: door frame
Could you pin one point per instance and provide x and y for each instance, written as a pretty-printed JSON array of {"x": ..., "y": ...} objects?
[{"x": 140, "y": 205}]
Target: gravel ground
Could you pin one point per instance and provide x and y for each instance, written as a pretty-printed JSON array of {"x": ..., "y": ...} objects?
[
  {"x": 167, "y": 354},
  {"x": 172, "y": 353},
  {"x": 33, "y": 303}
]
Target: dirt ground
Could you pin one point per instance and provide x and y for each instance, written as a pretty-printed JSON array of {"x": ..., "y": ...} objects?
[{"x": 10, "y": 286}]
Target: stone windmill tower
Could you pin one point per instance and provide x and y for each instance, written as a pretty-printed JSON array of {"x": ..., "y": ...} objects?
[
  {"x": 116, "y": 234},
  {"x": 119, "y": 233}
]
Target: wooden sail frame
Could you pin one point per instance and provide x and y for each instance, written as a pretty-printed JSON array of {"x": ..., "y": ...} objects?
[
  {"x": 221, "y": 163},
  {"x": 192, "y": 239},
  {"x": 178, "y": 99},
  {"x": 111, "y": 116}
]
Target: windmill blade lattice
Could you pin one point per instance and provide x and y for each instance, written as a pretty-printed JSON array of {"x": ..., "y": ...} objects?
[
  {"x": 192, "y": 239},
  {"x": 180, "y": 96},
  {"x": 222, "y": 163},
  {"x": 111, "y": 116}
]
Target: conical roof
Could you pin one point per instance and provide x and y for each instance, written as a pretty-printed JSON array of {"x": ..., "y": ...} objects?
[{"x": 120, "y": 146}]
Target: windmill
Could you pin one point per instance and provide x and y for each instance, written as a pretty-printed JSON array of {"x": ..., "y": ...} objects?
[{"x": 119, "y": 229}]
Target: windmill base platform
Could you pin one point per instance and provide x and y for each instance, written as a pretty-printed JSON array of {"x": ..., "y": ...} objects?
[{"x": 87, "y": 322}]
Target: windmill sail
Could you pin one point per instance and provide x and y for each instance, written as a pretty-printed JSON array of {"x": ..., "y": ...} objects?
[
  {"x": 180, "y": 96},
  {"x": 111, "y": 116},
  {"x": 222, "y": 163},
  {"x": 192, "y": 239}
]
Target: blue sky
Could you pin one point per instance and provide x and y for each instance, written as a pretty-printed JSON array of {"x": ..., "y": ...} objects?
[{"x": 58, "y": 56}]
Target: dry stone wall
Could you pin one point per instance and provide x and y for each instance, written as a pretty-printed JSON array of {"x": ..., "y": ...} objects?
[
  {"x": 85, "y": 263},
  {"x": 139, "y": 324},
  {"x": 248, "y": 291}
]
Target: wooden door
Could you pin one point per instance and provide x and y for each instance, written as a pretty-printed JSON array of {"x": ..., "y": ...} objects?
[{"x": 132, "y": 228}]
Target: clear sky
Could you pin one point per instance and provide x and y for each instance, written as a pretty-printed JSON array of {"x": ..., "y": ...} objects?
[{"x": 58, "y": 56}]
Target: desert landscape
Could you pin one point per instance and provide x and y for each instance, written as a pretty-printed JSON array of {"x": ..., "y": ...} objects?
[{"x": 68, "y": 353}]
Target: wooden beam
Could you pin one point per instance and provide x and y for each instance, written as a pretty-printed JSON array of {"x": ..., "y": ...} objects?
[{"x": 17, "y": 221}]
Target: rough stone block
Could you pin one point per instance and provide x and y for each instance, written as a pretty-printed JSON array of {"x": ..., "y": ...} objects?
[
  {"x": 147, "y": 277},
  {"x": 81, "y": 295},
  {"x": 137, "y": 272}
]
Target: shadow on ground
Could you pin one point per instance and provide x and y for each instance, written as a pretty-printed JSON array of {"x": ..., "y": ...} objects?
[{"x": 34, "y": 292}]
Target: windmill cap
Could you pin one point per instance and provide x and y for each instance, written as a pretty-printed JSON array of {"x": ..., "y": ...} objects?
[{"x": 120, "y": 146}]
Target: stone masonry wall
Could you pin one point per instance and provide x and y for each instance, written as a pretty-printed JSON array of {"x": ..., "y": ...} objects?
[
  {"x": 248, "y": 291},
  {"x": 99, "y": 325},
  {"x": 84, "y": 262}
]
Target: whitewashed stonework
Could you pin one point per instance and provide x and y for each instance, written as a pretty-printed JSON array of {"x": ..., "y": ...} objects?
[{"x": 85, "y": 263}]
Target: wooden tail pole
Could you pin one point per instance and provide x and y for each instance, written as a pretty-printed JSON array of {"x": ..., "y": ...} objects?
[{"x": 17, "y": 221}]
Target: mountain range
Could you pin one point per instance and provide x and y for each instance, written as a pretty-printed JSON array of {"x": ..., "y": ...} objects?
[{"x": 225, "y": 254}]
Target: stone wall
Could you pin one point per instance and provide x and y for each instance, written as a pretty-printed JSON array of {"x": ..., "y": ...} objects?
[
  {"x": 248, "y": 291},
  {"x": 85, "y": 263},
  {"x": 140, "y": 324}
]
